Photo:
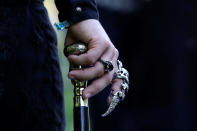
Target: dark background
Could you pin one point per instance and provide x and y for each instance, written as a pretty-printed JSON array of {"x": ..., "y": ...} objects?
[{"x": 158, "y": 45}]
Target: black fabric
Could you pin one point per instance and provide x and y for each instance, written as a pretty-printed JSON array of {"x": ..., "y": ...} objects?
[
  {"x": 67, "y": 10},
  {"x": 31, "y": 87}
]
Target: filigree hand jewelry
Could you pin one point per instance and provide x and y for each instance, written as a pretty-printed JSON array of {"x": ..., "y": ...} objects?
[{"x": 118, "y": 96}]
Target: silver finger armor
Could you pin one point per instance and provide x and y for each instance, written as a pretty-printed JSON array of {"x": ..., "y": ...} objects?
[
  {"x": 116, "y": 98},
  {"x": 123, "y": 74}
]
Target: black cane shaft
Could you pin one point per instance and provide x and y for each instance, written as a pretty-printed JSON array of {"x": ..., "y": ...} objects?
[
  {"x": 81, "y": 119},
  {"x": 81, "y": 109}
]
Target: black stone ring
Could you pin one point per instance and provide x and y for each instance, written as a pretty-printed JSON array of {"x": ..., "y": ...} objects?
[{"x": 108, "y": 66}]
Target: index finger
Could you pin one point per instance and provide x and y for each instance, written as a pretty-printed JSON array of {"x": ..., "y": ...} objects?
[{"x": 90, "y": 57}]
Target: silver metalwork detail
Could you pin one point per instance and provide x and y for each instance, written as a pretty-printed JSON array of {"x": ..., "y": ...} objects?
[
  {"x": 124, "y": 86},
  {"x": 116, "y": 98},
  {"x": 123, "y": 74},
  {"x": 120, "y": 65}
]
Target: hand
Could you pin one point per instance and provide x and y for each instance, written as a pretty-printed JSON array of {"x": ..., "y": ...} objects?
[{"x": 99, "y": 47}]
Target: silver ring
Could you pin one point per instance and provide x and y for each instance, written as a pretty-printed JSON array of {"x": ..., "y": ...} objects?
[
  {"x": 108, "y": 66},
  {"x": 122, "y": 74},
  {"x": 124, "y": 86}
]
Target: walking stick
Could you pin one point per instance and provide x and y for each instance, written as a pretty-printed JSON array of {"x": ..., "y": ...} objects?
[{"x": 81, "y": 109}]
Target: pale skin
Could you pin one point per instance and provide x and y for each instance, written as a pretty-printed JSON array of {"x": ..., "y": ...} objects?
[{"x": 99, "y": 47}]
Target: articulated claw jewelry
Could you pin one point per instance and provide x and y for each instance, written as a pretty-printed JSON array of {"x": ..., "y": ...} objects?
[
  {"x": 123, "y": 74},
  {"x": 124, "y": 86},
  {"x": 116, "y": 98}
]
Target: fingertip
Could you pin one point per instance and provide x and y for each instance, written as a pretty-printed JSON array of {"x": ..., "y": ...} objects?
[
  {"x": 86, "y": 95},
  {"x": 71, "y": 58},
  {"x": 70, "y": 76}
]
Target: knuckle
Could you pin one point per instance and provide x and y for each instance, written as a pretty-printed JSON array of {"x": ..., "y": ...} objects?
[
  {"x": 116, "y": 52},
  {"x": 99, "y": 73},
  {"x": 98, "y": 89},
  {"x": 90, "y": 59},
  {"x": 95, "y": 90},
  {"x": 100, "y": 70},
  {"x": 95, "y": 38},
  {"x": 107, "y": 44},
  {"x": 108, "y": 79}
]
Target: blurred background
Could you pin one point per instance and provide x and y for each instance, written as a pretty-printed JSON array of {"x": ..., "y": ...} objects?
[{"x": 157, "y": 40}]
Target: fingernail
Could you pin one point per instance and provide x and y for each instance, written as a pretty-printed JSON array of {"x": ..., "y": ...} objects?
[
  {"x": 88, "y": 95},
  {"x": 71, "y": 77}
]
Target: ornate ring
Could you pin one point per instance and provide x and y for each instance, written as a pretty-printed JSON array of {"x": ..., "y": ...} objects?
[
  {"x": 108, "y": 66},
  {"x": 124, "y": 87},
  {"x": 123, "y": 74}
]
